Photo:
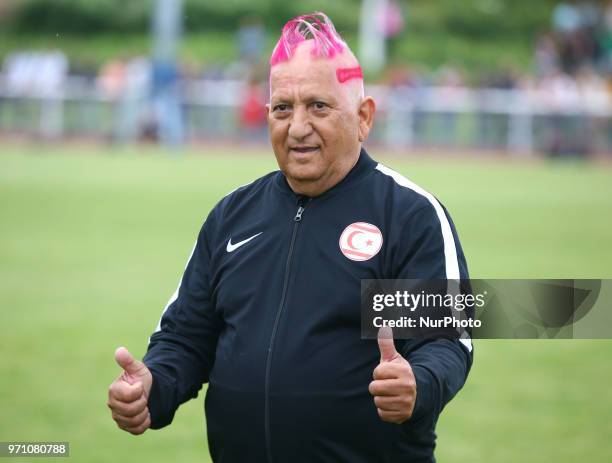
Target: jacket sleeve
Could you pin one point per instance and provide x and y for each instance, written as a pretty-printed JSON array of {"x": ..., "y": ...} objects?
[
  {"x": 431, "y": 250},
  {"x": 182, "y": 349}
]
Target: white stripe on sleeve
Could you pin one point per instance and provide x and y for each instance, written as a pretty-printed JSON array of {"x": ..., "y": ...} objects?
[
  {"x": 450, "y": 250},
  {"x": 174, "y": 296}
]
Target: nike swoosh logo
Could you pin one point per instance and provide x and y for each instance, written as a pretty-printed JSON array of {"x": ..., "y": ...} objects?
[{"x": 232, "y": 247}]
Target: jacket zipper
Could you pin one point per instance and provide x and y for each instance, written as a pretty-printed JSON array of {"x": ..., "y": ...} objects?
[{"x": 296, "y": 222}]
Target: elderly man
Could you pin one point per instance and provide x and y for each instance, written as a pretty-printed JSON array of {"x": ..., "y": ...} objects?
[{"x": 268, "y": 309}]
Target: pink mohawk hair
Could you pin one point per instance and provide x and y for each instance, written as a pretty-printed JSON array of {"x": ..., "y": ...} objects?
[{"x": 316, "y": 26}]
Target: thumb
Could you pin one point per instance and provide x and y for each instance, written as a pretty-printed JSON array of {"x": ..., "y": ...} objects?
[
  {"x": 386, "y": 345},
  {"x": 126, "y": 361}
]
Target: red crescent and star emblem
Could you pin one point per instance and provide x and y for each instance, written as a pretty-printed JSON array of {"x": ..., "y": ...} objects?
[{"x": 360, "y": 241}]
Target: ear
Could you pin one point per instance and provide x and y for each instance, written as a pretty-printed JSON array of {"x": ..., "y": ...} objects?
[
  {"x": 268, "y": 109},
  {"x": 367, "y": 108}
]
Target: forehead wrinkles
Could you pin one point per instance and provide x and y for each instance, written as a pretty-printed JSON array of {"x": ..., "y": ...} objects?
[{"x": 304, "y": 78}]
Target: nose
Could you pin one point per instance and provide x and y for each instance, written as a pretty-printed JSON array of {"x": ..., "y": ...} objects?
[{"x": 300, "y": 126}]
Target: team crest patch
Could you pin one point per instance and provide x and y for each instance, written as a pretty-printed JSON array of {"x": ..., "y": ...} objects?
[{"x": 360, "y": 241}]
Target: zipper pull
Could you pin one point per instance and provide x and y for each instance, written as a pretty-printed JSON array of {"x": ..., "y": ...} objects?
[{"x": 298, "y": 215}]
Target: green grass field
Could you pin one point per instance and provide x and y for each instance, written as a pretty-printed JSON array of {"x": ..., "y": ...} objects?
[{"x": 93, "y": 241}]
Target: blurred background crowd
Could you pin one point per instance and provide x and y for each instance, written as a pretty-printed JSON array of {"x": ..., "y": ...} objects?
[{"x": 518, "y": 76}]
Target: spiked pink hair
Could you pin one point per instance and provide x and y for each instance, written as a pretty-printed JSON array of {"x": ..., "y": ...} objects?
[{"x": 316, "y": 26}]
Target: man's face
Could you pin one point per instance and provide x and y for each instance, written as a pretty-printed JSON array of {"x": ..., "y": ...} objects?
[{"x": 313, "y": 122}]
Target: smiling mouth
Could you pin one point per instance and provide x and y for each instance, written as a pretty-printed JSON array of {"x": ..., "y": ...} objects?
[{"x": 304, "y": 149}]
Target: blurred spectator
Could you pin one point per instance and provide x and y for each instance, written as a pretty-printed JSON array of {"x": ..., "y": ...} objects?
[
  {"x": 561, "y": 95},
  {"x": 40, "y": 75},
  {"x": 577, "y": 27},
  {"x": 111, "y": 79},
  {"x": 566, "y": 18},
  {"x": 133, "y": 108},
  {"x": 546, "y": 56},
  {"x": 36, "y": 74},
  {"x": 592, "y": 89},
  {"x": 398, "y": 115},
  {"x": 253, "y": 113},
  {"x": 127, "y": 86},
  {"x": 166, "y": 84}
]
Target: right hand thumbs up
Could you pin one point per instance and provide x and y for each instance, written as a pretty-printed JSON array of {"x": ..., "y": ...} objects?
[
  {"x": 394, "y": 385},
  {"x": 129, "y": 393},
  {"x": 133, "y": 370}
]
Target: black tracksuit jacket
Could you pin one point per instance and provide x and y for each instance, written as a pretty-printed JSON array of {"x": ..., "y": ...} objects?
[{"x": 272, "y": 323}]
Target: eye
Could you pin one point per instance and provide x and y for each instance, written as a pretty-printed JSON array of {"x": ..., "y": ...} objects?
[
  {"x": 319, "y": 105},
  {"x": 281, "y": 108}
]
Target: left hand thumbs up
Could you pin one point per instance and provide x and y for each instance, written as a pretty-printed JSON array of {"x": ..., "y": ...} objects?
[{"x": 394, "y": 386}]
